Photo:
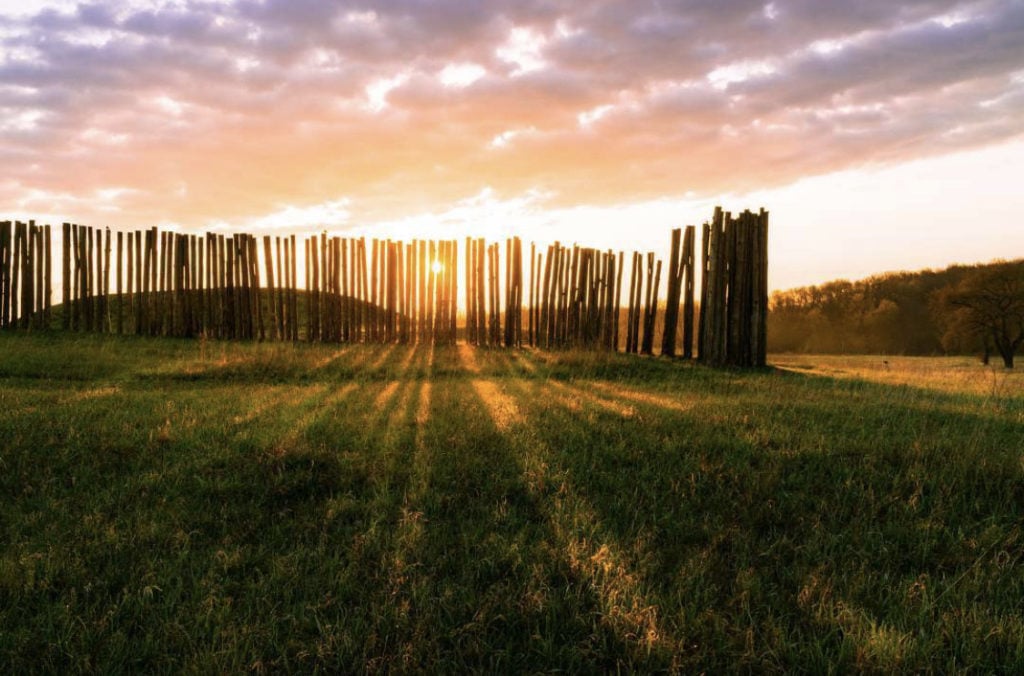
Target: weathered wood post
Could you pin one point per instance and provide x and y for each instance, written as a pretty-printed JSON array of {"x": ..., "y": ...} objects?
[
  {"x": 668, "y": 337},
  {"x": 688, "y": 290}
]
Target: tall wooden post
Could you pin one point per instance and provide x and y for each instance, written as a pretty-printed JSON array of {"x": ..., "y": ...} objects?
[
  {"x": 688, "y": 246},
  {"x": 5, "y": 272},
  {"x": 120, "y": 287},
  {"x": 668, "y": 342}
]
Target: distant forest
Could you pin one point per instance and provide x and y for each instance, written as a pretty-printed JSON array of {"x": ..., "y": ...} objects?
[{"x": 963, "y": 309}]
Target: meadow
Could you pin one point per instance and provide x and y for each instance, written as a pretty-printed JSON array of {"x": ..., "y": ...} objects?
[{"x": 191, "y": 506}]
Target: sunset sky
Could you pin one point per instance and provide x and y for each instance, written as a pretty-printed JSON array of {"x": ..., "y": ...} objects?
[{"x": 880, "y": 135}]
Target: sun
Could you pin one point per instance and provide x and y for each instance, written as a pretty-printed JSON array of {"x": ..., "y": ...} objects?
[{"x": 437, "y": 267}]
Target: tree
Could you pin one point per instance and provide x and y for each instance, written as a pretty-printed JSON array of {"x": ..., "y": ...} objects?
[
  {"x": 960, "y": 333},
  {"x": 988, "y": 306}
]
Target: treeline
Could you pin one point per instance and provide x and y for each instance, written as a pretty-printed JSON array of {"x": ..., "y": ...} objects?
[{"x": 893, "y": 313}]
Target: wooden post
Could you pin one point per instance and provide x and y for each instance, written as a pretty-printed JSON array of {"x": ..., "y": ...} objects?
[
  {"x": 268, "y": 262},
  {"x": 243, "y": 317},
  {"x": 287, "y": 319},
  {"x": 391, "y": 280},
  {"x": 630, "y": 333},
  {"x": 364, "y": 316},
  {"x": 184, "y": 275},
  {"x": 194, "y": 298},
  {"x": 39, "y": 265},
  {"x": 348, "y": 287},
  {"x": 496, "y": 274},
  {"x": 323, "y": 272},
  {"x": 252, "y": 286},
  {"x": 45, "y": 305},
  {"x": 398, "y": 279},
  {"x": 130, "y": 280},
  {"x": 65, "y": 270},
  {"x": 374, "y": 305},
  {"x": 16, "y": 265},
  {"x": 317, "y": 276},
  {"x": 150, "y": 281},
  {"x": 453, "y": 289},
  {"x": 431, "y": 280},
  {"x": 23, "y": 245},
  {"x": 651, "y": 297},
  {"x": 36, "y": 267},
  {"x": 282, "y": 284},
  {"x": 735, "y": 231},
  {"x": 554, "y": 304},
  {"x": 209, "y": 286},
  {"x": 357, "y": 290},
  {"x": 229, "y": 250},
  {"x": 35, "y": 274},
  {"x": 708, "y": 343},
  {"x": 668, "y": 341},
  {"x": 30, "y": 275},
  {"x": 158, "y": 283},
  {"x": 11, "y": 264},
  {"x": 638, "y": 301},
  {"x": 617, "y": 314},
  {"x": 85, "y": 275},
  {"x": 339, "y": 282},
  {"x": 688, "y": 246},
  {"x": 86, "y": 238},
  {"x": 179, "y": 279},
  {"x": 5, "y": 272},
  {"x": 480, "y": 288},
  {"x": 215, "y": 261},
  {"x": 172, "y": 298},
  {"x": 761, "y": 306},
  {"x": 410, "y": 292},
  {"x": 517, "y": 300},
  {"x": 722, "y": 285},
  {"x": 139, "y": 300},
  {"x": 293, "y": 299},
  {"x": 120, "y": 287}
]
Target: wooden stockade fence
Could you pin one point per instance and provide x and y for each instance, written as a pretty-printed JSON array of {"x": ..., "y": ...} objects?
[
  {"x": 354, "y": 290},
  {"x": 734, "y": 290},
  {"x": 25, "y": 275}
]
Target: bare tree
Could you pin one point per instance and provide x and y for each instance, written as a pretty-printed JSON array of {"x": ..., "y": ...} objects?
[{"x": 989, "y": 305}]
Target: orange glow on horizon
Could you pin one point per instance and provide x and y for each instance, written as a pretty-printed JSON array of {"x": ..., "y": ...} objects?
[{"x": 549, "y": 122}]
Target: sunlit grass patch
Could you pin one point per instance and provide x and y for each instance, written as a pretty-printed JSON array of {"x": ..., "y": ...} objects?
[
  {"x": 467, "y": 356},
  {"x": 574, "y": 397},
  {"x": 502, "y": 408},
  {"x": 953, "y": 375},
  {"x": 679, "y": 404}
]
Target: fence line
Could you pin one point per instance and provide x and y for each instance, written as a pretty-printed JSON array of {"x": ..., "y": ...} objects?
[{"x": 385, "y": 291}]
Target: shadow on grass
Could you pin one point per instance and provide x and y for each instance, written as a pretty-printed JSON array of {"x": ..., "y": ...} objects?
[
  {"x": 801, "y": 534},
  {"x": 626, "y": 631},
  {"x": 476, "y": 578},
  {"x": 401, "y": 509}
]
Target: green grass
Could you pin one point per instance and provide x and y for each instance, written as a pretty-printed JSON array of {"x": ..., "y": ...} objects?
[{"x": 195, "y": 506}]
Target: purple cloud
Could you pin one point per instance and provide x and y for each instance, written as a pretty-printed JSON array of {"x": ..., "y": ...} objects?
[{"x": 253, "y": 103}]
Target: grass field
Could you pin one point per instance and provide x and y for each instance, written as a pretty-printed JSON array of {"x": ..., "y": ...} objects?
[{"x": 187, "y": 506}]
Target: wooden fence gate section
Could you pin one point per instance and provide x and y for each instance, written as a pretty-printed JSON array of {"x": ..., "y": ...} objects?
[{"x": 352, "y": 290}]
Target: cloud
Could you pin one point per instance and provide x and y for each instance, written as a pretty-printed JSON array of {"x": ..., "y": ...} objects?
[{"x": 406, "y": 107}]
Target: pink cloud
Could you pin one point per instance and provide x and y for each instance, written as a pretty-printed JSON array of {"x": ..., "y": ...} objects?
[{"x": 256, "y": 104}]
